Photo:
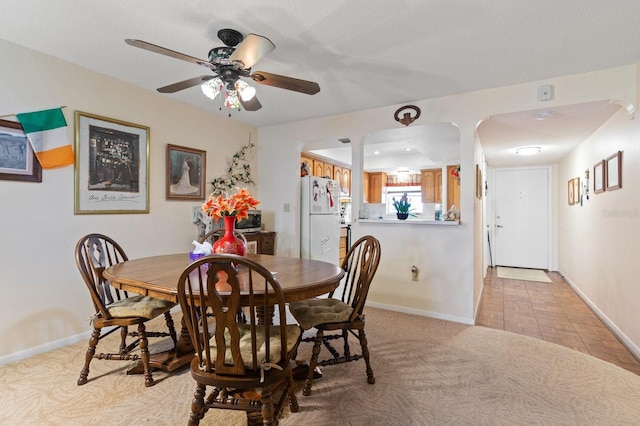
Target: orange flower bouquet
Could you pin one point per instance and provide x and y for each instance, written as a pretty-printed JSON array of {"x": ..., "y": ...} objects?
[{"x": 236, "y": 205}]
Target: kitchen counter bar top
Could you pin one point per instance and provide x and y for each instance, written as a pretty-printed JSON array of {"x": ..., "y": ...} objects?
[{"x": 411, "y": 222}]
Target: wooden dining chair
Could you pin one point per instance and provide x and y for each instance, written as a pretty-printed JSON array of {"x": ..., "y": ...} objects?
[
  {"x": 234, "y": 357},
  {"x": 116, "y": 309},
  {"x": 342, "y": 312}
]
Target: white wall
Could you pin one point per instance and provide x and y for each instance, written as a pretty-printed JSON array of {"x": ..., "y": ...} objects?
[
  {"x": 599, "y": 242},
  {"x": 450, "y": 259},
  {"x": 44, "y": 301}
]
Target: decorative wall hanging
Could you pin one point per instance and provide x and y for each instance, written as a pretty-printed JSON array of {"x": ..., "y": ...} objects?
[
  {"x": 613, "y": 166},
  {"x": 17, "y": 159},
  {"x": 186, "y": 169},
  {"x": 111, "y": 165},
  {"x": 598, "y": 177},
  {"x": 238, "y": 171},
  {"x": 571, "y": 194},
  {"x": 407, "y": 118}
]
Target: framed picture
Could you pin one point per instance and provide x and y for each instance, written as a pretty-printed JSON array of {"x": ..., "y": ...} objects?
[
  {"x": 186, "y": 169},
  {"x": 576, "y": 190},
  {"x": 112, "y": 165},
  {"x": 613, "y": 166},
  {"x": 571, "y": 193},
  {"x": 17, "y": 159},
  {"x": 478, "y": 182},
  {"x": 598, "y": 177}
]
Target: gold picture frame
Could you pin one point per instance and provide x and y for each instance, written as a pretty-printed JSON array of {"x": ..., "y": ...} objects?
[
  {"x": 478, "y": 182},
  {"x": 571, "y": 195},
  {"x": 17, "y": 159},
  {"x": 186, "y": 170},
  {"x": 111, "y": 165},
  {"x": 576, "y": 190}
]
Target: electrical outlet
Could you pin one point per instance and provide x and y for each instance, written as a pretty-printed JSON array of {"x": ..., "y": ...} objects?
[{"x": 287, "y": 207}]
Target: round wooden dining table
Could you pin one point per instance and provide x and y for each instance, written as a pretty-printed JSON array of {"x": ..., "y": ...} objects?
[{"x": 157, "y": 276}]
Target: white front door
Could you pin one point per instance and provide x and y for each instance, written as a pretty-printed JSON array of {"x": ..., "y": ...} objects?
[{"x": 521, "y": 217}]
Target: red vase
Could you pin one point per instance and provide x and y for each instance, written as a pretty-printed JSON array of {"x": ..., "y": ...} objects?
[{"x": 229, "y": 243}]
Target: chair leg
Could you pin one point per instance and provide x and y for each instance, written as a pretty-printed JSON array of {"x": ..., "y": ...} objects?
[
  {"x": 267, "y": 409},
  {"x": 172, "y": 329},
  {"x": 345, "y": 336},
  {"x": 144, "y": 354},
  {"x": 365, "y": 355},
  {"x": 291, "y": 395},
  {"x": 93, "y": 342},
  {"x": 313, "y": 363},
  {"x": 197, "y": 405},
  {"x": 124, "y": 332}
]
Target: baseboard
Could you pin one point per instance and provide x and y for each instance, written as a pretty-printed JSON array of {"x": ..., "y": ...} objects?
[
  {"x": 49, "y": 346},
  {"x": 430, "y": 314},
  {"x": 632, "y": 347}
]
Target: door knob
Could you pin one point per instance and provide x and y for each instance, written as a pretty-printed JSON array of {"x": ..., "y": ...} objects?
[{"x": 499, "y": 226}]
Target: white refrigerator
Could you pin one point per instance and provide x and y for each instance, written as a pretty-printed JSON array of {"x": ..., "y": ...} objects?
[{"x": 320, "y": 221}]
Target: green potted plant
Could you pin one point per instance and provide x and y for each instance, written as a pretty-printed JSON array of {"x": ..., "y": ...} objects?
[{"x": 403, "y": 207}]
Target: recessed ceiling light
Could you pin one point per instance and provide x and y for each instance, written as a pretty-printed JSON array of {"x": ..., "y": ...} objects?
[
  {"x": 408, "y": 149},
  {"x": 528, "y": 150},
  {"x": 376, "y": 152}
]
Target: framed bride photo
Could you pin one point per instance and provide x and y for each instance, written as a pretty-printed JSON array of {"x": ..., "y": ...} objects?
[{"x": 186, "y": 170}]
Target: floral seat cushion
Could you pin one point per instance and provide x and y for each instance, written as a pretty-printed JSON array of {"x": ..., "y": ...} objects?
[
  {"x": 293, "y": 335},
  {"x": 139, "y": 306},
  {"x": 312, "y": 312}
]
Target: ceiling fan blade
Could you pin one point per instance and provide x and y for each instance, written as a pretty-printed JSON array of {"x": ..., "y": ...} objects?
[
  {"x": 181, "y": 85},
  {"x": 283, "y": 82},
  {"x": 253, "y": 48},
  {"x": 167, "y": 52},
  {"x": 251, "y": 105}
]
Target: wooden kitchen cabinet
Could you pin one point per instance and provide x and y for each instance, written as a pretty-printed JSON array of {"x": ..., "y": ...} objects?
[
  {"x": 337, "y": 176},
  {"x": 309, "y": 161},
  {"x": 431, "y": 183},
  {"x": 453, "y": 189},
  {"x": 344, "y": 244},
  {"x": 345, "y": 183},
  {"x": 328, "y": 170},
  {"x": 377, "y": 180},
  {"x": 261, "y": 242},
  {"x": 318, "y": 168},
  {"x": 365, "y": 186}
]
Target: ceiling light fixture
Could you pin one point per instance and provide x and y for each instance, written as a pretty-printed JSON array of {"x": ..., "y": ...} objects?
[
  {"x": 528, "y": 150},
  {"x": 212, "y": 88}
]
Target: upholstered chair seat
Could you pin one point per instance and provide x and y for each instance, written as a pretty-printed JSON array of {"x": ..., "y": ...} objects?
[
  {"x": 139, "y": 306},
  {"x": 312, "y": 312}
]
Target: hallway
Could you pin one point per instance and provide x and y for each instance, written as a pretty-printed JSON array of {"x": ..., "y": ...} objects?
[{"x": 552, "y": 312}]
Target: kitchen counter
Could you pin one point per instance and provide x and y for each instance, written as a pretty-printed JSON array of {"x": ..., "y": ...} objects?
[{"x": 411, "y": 222}]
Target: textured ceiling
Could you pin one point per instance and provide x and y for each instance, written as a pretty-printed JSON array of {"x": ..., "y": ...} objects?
[{"x": 363, "y": 53}]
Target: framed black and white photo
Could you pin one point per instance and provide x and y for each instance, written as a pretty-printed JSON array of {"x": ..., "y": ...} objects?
[
  {"x": 598, "y": 177},
  {"x": 613, "y": 172},
  {"x": 17, "y": 159},
  {"x": 111, "y": 165},
  {"x": 186, "y": 169}
]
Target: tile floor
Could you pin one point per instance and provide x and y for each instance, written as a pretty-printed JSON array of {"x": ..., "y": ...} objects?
[{"x": 552, "y": 312}]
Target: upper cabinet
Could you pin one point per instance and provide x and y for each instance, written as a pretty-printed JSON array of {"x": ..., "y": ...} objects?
[
  {"x": 324, "y": 167},
  {"x": 453, "y": 189},
  {"x": 431, "y": 185},
  {"x": 377, "y": 180}
]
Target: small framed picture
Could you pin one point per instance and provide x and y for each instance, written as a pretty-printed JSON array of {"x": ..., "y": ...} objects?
[
  {"x": 570, "y": 191},
  {"x": 598, "y": 177},
  {"x": 17, "y": 159},
  {"x": 613, "y": 166},
  {"x": 111, "y": 165},
  {"x": 186, "y": 169},
  {"x": 576, "y": 190},
  {"x": 478, "y": 182}
]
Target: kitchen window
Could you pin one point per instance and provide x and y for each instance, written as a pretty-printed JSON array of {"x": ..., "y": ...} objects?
[{"x": 414, "y": 194}]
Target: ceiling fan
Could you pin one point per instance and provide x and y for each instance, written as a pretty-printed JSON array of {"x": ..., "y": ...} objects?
[{"x": 230, "y": 64}]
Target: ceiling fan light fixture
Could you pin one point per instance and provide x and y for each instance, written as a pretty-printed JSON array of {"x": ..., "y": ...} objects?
[
  {"x": 528, "y": 150},
  {"x": 211, "y": 88},
  {"x": 231, "y": 99},
  {"x": 246, "y": 92}
]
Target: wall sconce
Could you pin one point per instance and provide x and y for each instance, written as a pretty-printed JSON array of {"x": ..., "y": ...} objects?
[{"x": 407, "y": 118}]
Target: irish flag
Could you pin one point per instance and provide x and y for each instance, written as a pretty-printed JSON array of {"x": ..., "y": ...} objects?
[{"x": 47, "y": 132}]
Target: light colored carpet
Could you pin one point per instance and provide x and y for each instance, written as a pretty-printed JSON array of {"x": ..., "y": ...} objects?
[
  {"x": 523, "y": 274},
  {"x": 428, "y": 372}
]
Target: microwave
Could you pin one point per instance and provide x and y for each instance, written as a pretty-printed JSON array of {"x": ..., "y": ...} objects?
[{"x": 206, "y": 224}]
